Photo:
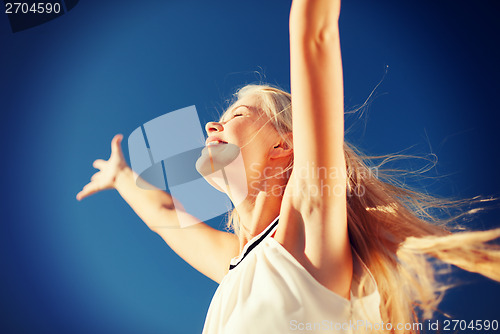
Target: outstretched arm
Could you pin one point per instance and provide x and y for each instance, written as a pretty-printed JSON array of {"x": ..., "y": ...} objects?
[
  {"x": 315, "y": 200},
  {"x": 206, "y": 249}
]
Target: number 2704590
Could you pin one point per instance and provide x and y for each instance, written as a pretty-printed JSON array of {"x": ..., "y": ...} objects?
[{"x": 35, "y": 8}]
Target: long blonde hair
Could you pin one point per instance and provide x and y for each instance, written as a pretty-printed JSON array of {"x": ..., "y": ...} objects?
[{"x": 394, "y": 229}]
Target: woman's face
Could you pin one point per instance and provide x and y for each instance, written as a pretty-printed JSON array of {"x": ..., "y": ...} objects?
[{"x": 243, "y": 128}]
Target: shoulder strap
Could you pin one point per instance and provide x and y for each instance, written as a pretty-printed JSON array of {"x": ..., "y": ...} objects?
[{"x": 271, "y": 229}]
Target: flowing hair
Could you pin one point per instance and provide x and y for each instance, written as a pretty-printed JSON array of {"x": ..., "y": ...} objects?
[{"x": 394, "y": 229}]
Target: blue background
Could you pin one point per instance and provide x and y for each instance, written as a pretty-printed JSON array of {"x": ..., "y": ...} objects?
[{"x": 107, "y": 67}]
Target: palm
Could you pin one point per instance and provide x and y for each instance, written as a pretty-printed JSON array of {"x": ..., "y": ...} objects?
[{"x": 108, "y": 170}]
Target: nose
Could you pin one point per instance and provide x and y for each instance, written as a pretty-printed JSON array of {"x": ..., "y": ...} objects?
[{"x": 213, "y": 126}]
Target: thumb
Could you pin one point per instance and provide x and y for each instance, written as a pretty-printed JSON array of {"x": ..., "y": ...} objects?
[{"x": 116, "y": 144}]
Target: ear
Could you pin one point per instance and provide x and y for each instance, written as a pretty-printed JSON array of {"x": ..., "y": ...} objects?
[{"x": 281, "y": 149}]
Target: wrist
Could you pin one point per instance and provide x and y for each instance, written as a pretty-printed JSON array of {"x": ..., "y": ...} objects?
[{"x": 124, "y": 174}]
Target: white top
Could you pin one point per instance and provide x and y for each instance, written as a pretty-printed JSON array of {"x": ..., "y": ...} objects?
[{"x": 268, "y": 291}]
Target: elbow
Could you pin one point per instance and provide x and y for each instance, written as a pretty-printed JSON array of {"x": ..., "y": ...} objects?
[
  {"x": 316, "y": 44},
  {"x": 315, "y": 34},
  {"x": 324, "y": 35}
]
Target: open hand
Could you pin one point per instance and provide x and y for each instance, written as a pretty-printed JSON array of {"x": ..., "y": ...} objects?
[{"x": 108, "y": 170}]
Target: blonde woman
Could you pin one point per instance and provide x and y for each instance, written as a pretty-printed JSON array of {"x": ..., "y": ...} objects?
[{"x": 319, "y": 244}]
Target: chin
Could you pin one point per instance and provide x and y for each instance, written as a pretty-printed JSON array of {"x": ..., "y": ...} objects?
[
  {"x": 223, "y": 168},
  {"x": 215, "y": 179}
]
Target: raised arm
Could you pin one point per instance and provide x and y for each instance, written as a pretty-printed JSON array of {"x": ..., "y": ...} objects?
[
  {"x": 317, "y": 84},
  {"x": 206, "y": 249},
  {"x": 315, "y": 201}
]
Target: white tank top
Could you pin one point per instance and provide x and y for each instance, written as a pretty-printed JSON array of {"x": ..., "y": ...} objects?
[{"x": 268, "y": 291}]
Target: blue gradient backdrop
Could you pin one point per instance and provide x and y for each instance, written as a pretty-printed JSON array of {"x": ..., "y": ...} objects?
[{"x": 107, "y": 67}]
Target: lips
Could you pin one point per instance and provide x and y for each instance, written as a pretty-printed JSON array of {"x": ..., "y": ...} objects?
[{"x": 214, "y": 141}]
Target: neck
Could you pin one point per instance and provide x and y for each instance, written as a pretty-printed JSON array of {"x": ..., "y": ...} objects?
[
  {"x": 255, "y": 214},
  {"x": 257, "y": 203}
]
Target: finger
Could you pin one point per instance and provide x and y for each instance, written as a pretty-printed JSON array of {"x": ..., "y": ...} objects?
[
  {"x": 88, "y": 190},
  {"x": 95, "y": 176},
  {"x": 116, "y": 144},
  {"x": 99, "y": 164}
]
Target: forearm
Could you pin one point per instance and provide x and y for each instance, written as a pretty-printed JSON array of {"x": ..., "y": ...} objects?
[
  {"x": 317, "y": 83},
  {"x": 205, "y": 248},
  {"x": 154, "y": 206},
  {"x": 313, "y": 17}
]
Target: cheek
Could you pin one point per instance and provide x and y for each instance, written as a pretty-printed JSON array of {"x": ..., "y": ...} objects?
[
  {"x": 254, "y": 139},
  {"x": 241, "y": 134},
  {"x": 268, "y": 137},
  {"x": 256, "y": 150}
]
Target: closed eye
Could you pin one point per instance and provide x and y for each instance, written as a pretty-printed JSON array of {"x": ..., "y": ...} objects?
[
  {"x": 233, "y": 114},
  {"x": 224, "y": 120}
]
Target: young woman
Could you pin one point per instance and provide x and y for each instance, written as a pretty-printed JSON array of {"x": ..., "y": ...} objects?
[{"x": 319, "y": 243}]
